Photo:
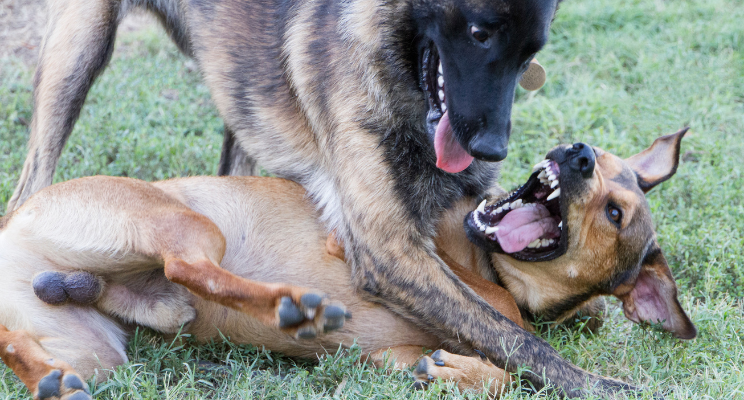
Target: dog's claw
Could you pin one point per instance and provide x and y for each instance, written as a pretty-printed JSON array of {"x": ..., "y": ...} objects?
[
  {"x": 481, "y": 354},
  {"x": 289, "y": 313},
  {"x": 439, "y": 363}
]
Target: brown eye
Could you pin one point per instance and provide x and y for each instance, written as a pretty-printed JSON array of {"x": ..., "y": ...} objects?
[
  {"x": 614, "y": 214},
  {"x": 479, "y": 34}
]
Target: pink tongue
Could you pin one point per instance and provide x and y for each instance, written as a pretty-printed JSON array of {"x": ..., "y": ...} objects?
[
  {"x": 523, "y": 225},
  {"x": 451, "y": 157}
]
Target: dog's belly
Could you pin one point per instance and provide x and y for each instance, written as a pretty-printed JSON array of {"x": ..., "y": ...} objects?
[{"x": 273, "y": 235}]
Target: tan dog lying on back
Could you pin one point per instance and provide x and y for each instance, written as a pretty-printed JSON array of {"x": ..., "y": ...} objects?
[{"x": 223, "y": 254}]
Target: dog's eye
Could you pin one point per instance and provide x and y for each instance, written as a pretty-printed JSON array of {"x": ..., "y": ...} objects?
[
  {"x": 479, "y": 34},
  {"x": 614, "y": 214}
]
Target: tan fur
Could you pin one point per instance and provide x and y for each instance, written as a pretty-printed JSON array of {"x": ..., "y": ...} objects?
[{"x": 241, "y": 244}]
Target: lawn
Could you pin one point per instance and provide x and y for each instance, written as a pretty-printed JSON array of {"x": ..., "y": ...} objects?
[{"x": 619, "y": 75}]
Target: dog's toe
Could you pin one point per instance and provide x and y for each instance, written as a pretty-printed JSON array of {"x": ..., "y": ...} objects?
[
  {"x": 335, "y": 316},
  {"x": 78, "y": 396},
  {"x": 420, "y": 385},
  {"x": 289, "y": 313},
  {"x": 49, "y": 386},
  {"x": 311, "y": 300},
  {"x": 73, "y": 382},
  {"x": 307, "y": 332}
]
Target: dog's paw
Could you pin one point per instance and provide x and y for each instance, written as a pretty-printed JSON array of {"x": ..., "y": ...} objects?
[
  {"x": 62, "y": 385},
  {"x": 470, "y": 373},
  {"x": 309, "y": 315}
]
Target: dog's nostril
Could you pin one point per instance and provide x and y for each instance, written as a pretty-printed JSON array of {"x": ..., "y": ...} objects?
[
  {"x": 578, "y": 146},
  {"x": 582, "y": 159}
]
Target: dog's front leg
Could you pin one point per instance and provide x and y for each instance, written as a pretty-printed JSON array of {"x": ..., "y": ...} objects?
[{"x": 395, "y": 262}]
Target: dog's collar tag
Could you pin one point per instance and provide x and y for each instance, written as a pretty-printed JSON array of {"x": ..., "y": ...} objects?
[{"x": 534, "y": 78}]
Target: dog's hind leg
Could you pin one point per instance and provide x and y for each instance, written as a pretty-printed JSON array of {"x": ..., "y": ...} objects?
[
  {"x": 45, "y": 377},
  {"x": 77, "y": 46},
  {"x": 234, "y": 160},
  {"x": 298, "y": 311},
  {"x": 61, "y": 349}
]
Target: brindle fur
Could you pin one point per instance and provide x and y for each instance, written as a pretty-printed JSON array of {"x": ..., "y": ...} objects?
[{"x": 137, "y": 236}]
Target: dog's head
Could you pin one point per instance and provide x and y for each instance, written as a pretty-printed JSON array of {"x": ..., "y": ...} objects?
[
  {"x": 585, "y": 212},
  {"x": 471, "y": 56}
]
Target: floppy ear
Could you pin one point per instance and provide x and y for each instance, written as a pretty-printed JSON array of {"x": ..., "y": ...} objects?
[
  {"x": 653, "y": 298},
  {"x": 658, "y": 162}
]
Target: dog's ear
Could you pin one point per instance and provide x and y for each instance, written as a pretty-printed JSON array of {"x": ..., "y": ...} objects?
[
  {"x": 658, "y": 162},
  {"x": 652, "y": 298}
]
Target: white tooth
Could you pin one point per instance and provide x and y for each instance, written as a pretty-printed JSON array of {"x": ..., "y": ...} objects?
[
  {"x": 534, "y": 244},
  {"x": 491, "y": 229},
  {"x": 551, "y": 177},
  {"x": 481, "y": 207},
  {"x": 544, "y": 243},
  {"x": 542, "y": 175},
  {"x": 506, "y": 206},
  {"x": 439, "y": 69},
  {"x": 444, "y": 107},
  {"x": 440, "y": 81},
  {"x": 554, "y": 184},
  {"x": 556, "y": 193},
  {"x": 560, "y": 225},
  {"x": 441, "y": 95},
  {"x": 539, "y": 165},
  {"x": 498, "y": 210},
  {"x": 516, "y": 204}
]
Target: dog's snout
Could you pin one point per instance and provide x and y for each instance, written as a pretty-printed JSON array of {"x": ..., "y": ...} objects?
[{"x": 582, "y": 159}]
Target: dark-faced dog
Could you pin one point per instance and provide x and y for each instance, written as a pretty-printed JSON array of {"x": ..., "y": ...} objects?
[
  {"x": 248, "y": 258},
  {"x": 386, "y": 112}
]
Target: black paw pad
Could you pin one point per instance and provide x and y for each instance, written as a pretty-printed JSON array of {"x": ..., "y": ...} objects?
[
  {"x": 311, "y": 300},
  {"x": 74, "y": 382},
  {"x": 48, "y": 386},
  {"x": 334, "y": 318},
  {"x": 289, "y": 314},
  {"x": 420, "y": 385},
  {"x": 49, "y": 287},
  {"x": 307, "y": 332},
  {"x": 79, "y": 396},
  {"x": 422, "y": 367},
  {"x": 82, "y": 287}
]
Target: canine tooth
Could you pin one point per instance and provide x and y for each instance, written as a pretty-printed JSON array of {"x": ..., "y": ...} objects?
[
  {"x": 481, "y": 207},
  {"x": 542, "y": 175},
  {"x": 554, "y": 184},
  {"x": 539, "y": 165},
  {"x": 534, "y": 244},
  {"x": 556, "y": 193},
  {"x": 560, "y": 225},
  {"x": 440, "y": 81},
  {"x": 491, "y": 229},
  {"x": 439, "y": 69}
]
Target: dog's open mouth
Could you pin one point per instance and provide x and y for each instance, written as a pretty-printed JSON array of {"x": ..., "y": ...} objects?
[
  {"x": 527, "y": 224},
  {"x": 451, "y": 156}
]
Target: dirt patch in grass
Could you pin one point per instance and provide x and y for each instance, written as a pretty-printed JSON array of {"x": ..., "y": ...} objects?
[{"x": 22, "y": 24}]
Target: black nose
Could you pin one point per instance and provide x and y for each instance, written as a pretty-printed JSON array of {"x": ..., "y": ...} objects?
[
  {"x": 581, "y": 159},
  {"x": 490, "y": 146}
]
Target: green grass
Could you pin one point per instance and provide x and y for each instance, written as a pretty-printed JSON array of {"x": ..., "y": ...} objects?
[{"x": 619, "y": 75}]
